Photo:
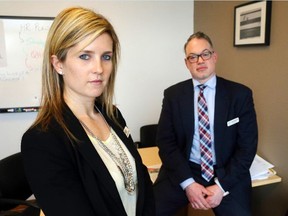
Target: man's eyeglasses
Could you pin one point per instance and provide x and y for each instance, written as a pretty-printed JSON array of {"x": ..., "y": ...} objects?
[{"x": 206, "y": 55}]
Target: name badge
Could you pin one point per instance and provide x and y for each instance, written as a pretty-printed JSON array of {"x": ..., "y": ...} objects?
[
  {"x": 232, "y": 122},
  {"x": 126, "y": 131}
]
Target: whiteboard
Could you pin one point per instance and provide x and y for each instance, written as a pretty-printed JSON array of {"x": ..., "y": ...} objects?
[{"x": 22, "y": 41}]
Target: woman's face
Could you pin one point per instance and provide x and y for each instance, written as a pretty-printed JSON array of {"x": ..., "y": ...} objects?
[{"x": 86, "y": 71}]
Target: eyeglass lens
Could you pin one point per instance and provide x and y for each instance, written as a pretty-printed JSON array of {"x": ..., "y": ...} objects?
[{"x": 206, "y": 55}]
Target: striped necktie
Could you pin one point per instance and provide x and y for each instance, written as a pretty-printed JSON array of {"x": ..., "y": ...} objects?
[{"x": 205, "y": 137}]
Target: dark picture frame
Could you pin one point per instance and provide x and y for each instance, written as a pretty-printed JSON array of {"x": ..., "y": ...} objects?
[{"x": 252, "y": 23}]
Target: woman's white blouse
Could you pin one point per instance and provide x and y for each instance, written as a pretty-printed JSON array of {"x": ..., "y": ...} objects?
[{"x": 128, "y": 200}]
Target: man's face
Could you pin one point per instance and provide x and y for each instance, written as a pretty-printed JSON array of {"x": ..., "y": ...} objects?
[{"x": 201, "y": 70}]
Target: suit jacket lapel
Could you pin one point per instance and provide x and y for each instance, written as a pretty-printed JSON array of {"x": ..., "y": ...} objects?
[
  {"x": 87, "y": 150},
  {"x": 128, "y": 142},
  {"x": 220, "y": 117},
  {"x": 119, "y": 130},
  {"x": 186, "y": 104}
]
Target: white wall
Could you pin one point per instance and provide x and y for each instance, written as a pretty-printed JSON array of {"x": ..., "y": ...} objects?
[{"x": 152, "y": 35}]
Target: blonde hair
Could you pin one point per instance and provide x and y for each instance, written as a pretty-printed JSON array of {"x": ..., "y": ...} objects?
[{"x": 71, "y": 26}]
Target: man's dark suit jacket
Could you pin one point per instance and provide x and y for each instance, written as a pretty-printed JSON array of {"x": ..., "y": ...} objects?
[
  {"x": 235, "y": 145},
  {"x": 70, "y": 178}
]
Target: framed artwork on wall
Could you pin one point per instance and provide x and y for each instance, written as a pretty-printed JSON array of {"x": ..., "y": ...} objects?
[{"x": 252, "y": 23}]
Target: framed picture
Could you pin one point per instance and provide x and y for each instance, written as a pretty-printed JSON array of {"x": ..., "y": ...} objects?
[{"x": 252, "y": 23}]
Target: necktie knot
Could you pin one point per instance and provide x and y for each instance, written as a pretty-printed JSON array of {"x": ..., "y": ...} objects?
[{"x": 202, "y": 87}]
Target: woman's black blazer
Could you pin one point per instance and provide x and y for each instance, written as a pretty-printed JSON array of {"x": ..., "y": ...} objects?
[{"x": 70, "y": 178}]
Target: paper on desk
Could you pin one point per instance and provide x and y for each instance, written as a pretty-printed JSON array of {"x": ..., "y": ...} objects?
[
  {"x": 269, "y": 173},
  {"x": 261, "y": 169}
]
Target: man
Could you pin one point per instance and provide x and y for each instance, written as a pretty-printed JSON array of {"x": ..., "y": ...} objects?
[{"x": 207, "y": 139}]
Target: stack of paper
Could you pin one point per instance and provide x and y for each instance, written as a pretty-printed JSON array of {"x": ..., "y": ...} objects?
[{"x": 261, "y": 169}]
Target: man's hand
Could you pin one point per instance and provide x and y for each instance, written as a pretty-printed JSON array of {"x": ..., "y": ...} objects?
[
  {"x": 215, "y": 199},
  {"x": 197, "y": 194}
]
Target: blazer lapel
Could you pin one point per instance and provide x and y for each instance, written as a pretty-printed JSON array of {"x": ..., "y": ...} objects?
[
  {"x": 220, "y": 116},
  {"x": 128, "y": 142},
  {"x": 88, "y": 152},
  {"x": 119, "y": 130},
  {"x": 186, "y": 104}
]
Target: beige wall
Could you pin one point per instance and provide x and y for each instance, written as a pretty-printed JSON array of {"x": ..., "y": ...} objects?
[{"x": 264, "y": 69}]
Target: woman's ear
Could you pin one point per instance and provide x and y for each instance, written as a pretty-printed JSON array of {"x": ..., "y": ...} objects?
[{"x": 57, "y": 64}]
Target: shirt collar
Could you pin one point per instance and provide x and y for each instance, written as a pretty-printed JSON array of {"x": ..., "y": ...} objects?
[{"x": 211, "y": 83}]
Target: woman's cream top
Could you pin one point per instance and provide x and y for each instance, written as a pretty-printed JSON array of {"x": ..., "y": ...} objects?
[{"x": 128, "y": 200}]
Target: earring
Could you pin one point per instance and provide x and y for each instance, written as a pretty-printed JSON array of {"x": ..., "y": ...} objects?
[{"x": 60, "y": 72}]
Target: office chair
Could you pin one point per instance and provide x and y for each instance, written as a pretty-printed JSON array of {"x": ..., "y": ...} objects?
[
  {"x": 148, "y": 136},
  {"x": 14, "y": 188}
]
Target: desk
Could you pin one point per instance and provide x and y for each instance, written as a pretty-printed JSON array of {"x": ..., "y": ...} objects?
[
  {"x": 151, "y": 158},
  {"x": 269, "y": 180}
]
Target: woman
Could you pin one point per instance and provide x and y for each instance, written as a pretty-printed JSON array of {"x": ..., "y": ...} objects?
[{"x": 78, "y": 155}]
